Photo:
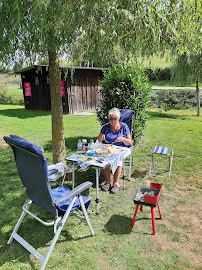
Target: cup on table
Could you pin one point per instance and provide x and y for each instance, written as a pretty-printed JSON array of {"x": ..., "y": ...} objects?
[{"x": 105, "y": 153}]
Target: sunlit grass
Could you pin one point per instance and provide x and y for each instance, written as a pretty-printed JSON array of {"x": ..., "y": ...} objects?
[{"x": 116, "y": 245}]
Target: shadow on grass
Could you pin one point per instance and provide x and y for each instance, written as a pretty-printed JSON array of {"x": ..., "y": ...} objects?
[
  {"x": 118, "y": 224},
  {"x": 141, "y": 173},
  {"x": 13, "y": 197},
  {"x": 165, "y": 115},
  {"x": 22, "y": 113}
]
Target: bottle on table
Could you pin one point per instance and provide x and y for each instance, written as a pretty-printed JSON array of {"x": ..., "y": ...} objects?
[
  {"x": 79, "y": 147},
  {"x": 91, "y": 145},
  {"x": 84, "y": 141}
]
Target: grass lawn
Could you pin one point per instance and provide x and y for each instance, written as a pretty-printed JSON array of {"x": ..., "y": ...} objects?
[{"x": 178, "y": 242}]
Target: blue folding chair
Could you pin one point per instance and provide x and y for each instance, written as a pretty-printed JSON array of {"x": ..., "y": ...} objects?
[
  {"x": 60, "y": 202},
  {"x": 55, "y": 171},
  {"x": 127, "y": 117},
  {"x": 165, "y": 151}
]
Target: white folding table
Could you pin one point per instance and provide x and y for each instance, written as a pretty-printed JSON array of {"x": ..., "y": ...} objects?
[{"x": 112, "y": 160}]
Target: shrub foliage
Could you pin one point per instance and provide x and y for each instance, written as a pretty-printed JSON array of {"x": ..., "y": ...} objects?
[
  {"x": 173, "y": 99},
  {"x": 125, "y": 87},
  {"x": 5, "y": 98}
]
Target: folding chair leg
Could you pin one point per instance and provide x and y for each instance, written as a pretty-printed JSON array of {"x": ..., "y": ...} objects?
[
  {"x": 60, "y": 227},
  {"x": 151, "y": 164},
  {"x": 86, "y": 215},
  {"x": 18, "y": 224},
  {"x": 130, "y": 164},
  {"x": 123, "y": 175},
  {"x": 133, "y": 221}
]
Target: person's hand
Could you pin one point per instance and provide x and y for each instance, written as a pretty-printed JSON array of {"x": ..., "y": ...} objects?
[
  {"x": 101, "y": 137},
  {"x": 120, "y": 139}
]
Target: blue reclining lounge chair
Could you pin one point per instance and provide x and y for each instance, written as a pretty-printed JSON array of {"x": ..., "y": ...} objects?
[{"x": 32, "y": 169}]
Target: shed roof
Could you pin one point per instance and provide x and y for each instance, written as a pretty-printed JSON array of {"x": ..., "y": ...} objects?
[{"x": 65, "y": 67}]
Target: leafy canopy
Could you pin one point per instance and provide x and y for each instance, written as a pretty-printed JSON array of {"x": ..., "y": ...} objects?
[{"x": 96, "y": 30}]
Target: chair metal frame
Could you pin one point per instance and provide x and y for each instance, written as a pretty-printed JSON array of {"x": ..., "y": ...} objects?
[
  {"x": 129, "y": 161},
  {"x": 30, "y": 160},
  {"x": 164, "y": 151}
]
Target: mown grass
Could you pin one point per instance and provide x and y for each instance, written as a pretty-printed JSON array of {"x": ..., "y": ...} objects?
[{"x": 177, "y": 244}]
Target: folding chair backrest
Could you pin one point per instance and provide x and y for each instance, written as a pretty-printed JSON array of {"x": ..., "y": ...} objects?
[
  {"x": 127, "y": 117},
  {"x": 32, "y": 168}
]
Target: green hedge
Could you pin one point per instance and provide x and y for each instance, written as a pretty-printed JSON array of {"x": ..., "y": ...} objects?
[
  {"x": 5, "y": 98},
  {"x": 173, "y": 99}
]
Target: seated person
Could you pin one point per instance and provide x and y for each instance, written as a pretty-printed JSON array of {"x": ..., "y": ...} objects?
[{"x": 117, "y": 133}]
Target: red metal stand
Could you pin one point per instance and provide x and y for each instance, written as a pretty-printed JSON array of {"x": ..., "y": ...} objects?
[{"x": 151, "y": 201}]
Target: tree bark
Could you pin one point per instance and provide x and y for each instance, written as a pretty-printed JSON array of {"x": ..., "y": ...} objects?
[
  {"x": 198, "y": 99},
  {"x": 58, "y": 140}
]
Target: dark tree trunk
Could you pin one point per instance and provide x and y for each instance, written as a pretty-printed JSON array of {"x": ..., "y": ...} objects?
[{"x": 58, "y": 141}]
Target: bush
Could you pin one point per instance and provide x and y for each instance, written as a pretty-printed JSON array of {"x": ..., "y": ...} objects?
[
  {"x": 125, "y": 87},
  {"x": 5, "y": 98},
  {"x": 159, "y": 74},
  {"x": 173, "y": 99}
]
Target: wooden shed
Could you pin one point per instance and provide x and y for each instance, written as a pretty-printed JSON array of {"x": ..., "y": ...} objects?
[{"x": 79, "y": 88}]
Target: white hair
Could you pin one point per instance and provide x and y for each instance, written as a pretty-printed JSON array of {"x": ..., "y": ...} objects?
[{"x": 115, "y": 111}]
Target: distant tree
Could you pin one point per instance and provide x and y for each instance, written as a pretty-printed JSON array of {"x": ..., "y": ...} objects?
[
  {"x": 188, "y": 60},
  {"x": 189, "y": 69},
  {"x": 97, "y": 30}
]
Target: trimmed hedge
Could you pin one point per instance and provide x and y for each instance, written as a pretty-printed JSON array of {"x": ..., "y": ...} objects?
[{"x": 173, "y": 99}]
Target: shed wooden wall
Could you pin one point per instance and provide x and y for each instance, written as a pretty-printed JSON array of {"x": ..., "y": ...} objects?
[
  {"x": 80, "y": 94},
  {"x": 83, "y": 92}
]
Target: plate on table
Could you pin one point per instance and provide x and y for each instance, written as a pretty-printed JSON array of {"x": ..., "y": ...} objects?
[
  {"x": 107, "y": 145},
  {"x": 99, "y": 151},
  {"x": 85, "y": 158},
  {"x": 113, "y": 151}
]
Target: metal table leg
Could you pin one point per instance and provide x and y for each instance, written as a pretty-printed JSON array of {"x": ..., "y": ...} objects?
[
  {"x": 97, "y": 189},
  {"x": 73, "y": 175}
]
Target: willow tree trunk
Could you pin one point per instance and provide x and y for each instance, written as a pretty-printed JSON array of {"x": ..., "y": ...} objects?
[
  {"x": 198, "y": 99},
  {"x": 58, "y": 141}
]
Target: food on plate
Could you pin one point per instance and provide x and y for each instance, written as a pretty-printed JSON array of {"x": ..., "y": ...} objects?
[
  {"x": 113, "y": 151},
  {"x": 101, "y": 158},
  {"x": 85, "y": 158},
  {"x": 99, "y": 151},
  {"x": 107, "y": 145}
]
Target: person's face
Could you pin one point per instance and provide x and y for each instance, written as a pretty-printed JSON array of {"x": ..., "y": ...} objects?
[{"x": 113, "y": 119}]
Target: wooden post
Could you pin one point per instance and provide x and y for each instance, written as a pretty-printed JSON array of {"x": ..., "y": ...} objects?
[{"x": 198, "y": 99}]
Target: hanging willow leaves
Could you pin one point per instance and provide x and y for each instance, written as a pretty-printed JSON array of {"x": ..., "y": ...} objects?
[{"x": 104, "y": 31}]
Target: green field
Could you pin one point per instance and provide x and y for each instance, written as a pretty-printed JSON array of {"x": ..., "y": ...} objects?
[{"x": 178, "y": 242}]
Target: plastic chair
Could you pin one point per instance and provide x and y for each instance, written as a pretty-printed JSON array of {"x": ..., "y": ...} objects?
[
  {"x": 55, "y": 171},
  {"x": 127, "y": 117},
  {"x": 60, "y": 202},
  {"x": 161, "y": 151}
]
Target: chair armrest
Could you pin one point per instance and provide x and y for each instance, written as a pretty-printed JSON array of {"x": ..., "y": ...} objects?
[{"x": 76, "y": 191}]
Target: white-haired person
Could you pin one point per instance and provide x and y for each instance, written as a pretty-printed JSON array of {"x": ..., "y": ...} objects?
[{"x": 118, "y": 133}]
